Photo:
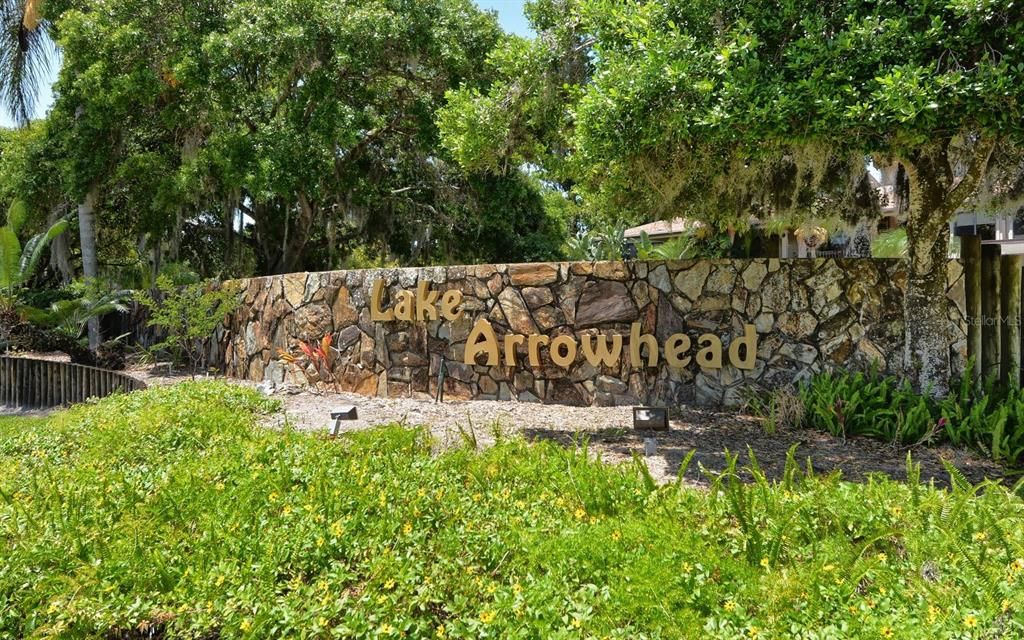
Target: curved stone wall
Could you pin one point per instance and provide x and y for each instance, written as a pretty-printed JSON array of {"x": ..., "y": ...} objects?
[{"x": 807, "y": 315}]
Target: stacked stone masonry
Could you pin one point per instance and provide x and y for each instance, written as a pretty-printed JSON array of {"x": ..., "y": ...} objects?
[{"x": 809, "y": 315}]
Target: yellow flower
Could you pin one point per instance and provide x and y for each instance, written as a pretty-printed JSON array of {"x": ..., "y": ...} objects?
[
  {"x": 246, "y": 625},
  {"x": 287, "y": 510},
  {"x": 616, "y": 535},
  {"x": 1017, "y": 565},
  {"x": 220, "y": 580},
  {"x": 1005, "y": 605},
  {"x": 407, "y": 529},
  {"x": 580, "y": 514},
  {"x": 829, "y": 567},
  {"x": 439, "y": 632},
  {"x": 753, "y": 632},
  {"x": 970, "y": 621},
  {"x": 980, "y": 536},
  {"x": 386, "y": 629},
  {"x": 933, "y": 613},
  {"x": 273, "y": 496},
  {"x": 765, "y": 562},
  {"x": 886, "y": 632},
  {"x": 220, "y": 486},
  {"x": 477, "y": 497},
  {"x": 337, "y": 529},
  {"x": 729, "y": 606},
  {"x": 517, "y": 588},
  {"x": 389, "y": 585},
  {"x": 322, "y": 621},
  {"x": 882, "y": 558},
  {"x": 487, "y": 617},
  {"x": 421, "y": 494}
]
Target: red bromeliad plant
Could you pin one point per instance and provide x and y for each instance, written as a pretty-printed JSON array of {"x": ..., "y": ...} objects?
[{"x": 314, "y": 360}]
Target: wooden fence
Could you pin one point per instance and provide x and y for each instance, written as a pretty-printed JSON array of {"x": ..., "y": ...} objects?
[{"x": 41, "y": 384}]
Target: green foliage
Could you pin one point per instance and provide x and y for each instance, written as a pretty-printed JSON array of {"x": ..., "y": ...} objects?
[
  {"x": 361, "y": 258},
  {"x": 689, "y": 244},
  {"x": 603, "y": 243},
  {"x": 18, "y": 264},
  {"x": 86, "y": 301},
  {"x": 989, "y": 418},
  {"x": 891, "y": 244},
  {"x": 173, "y": 511},
  {"x": 187, "y": 315}
]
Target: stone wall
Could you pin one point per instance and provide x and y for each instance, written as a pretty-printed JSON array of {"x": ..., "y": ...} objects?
[{"x": 808, "y": 315}]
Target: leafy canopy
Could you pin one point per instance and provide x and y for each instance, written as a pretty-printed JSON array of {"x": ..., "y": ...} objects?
[{"x": 765, "y": 107}]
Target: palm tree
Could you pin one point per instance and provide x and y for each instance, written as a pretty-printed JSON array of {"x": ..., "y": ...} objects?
[
  {"x": 25, "y": 55},
  {"x": 26, "y": 51}
]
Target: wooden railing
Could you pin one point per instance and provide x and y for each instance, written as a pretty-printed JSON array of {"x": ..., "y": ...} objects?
[{"x": 41, "y": 384}]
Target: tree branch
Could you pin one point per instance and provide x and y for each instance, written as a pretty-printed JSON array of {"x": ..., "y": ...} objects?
[{"x": 967, "y": 185}]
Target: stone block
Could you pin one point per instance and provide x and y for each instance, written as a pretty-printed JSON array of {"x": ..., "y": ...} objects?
[
  {"x": 604, "y": 301},
  {"x": 532, "y": 275}
]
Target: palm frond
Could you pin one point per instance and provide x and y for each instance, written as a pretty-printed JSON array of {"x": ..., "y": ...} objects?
[{"x": 26, "y": 51}]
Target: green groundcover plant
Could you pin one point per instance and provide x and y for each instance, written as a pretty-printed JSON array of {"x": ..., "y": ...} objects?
[
  {"x": 172, "y": 513},
  {"x": 986, "y": 417}
]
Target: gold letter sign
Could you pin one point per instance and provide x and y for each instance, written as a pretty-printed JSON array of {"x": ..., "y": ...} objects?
[{"x": 424, "y": 306}]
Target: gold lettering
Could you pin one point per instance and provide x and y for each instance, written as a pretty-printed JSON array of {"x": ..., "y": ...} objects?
[
  {"x": 425, "y": 299},
  {"x": 677, "y": 344},
  {"x": 569, "y": 344},
  {"x": 601, "y": 354},
  {"x": 481, "y": 339},
  {"x": 511, "y": 340},
  {"x": 450, "y": 302},
  {"x": 534, "y": 343},
  {"x": 376, "y": 298},
  {"x": 710, "y": 354},
  {"x": 749, "y": 344},
  {"x": 405, "y": 305},
  {"x": 636, "y": 340}
]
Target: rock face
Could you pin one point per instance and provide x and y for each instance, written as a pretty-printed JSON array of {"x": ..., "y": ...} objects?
[{"x": 809, "y": 315}]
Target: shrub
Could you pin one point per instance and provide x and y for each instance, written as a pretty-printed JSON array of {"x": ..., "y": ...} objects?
[
  {"x": 187, "y": 316},
  {"x": 171, "y": 513}
]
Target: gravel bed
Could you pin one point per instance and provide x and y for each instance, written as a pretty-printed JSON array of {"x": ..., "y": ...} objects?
[{"x": 609, "y": 432}]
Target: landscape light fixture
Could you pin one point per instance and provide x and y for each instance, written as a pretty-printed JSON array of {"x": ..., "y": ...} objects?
[
  {"x": 650, "y": 418},
  {"x": 345, "y": 412}
]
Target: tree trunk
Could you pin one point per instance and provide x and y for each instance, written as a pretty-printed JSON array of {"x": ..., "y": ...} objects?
[
  {"x": 926, "y": 355},
  {"x": 87, "y": 238},
  {"x": 60, "y": 251},
  {"x": 935, "y": 195}
]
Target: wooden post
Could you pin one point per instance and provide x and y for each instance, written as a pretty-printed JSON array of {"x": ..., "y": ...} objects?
[
  {"x": 1009, "y": 341},
  {"x": 990, "y": 310},
  {"x": 970, "y": 250}
]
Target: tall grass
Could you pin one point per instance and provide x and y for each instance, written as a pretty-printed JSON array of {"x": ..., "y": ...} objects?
[{"x": 170, "y": 513}]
